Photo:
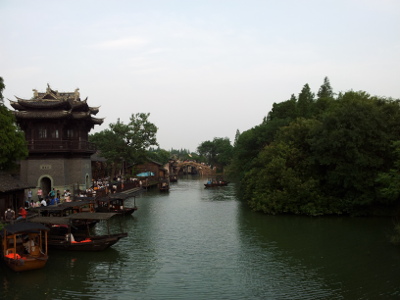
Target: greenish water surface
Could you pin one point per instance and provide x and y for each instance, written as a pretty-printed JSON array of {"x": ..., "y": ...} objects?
[{"x": 197, "y": 243}]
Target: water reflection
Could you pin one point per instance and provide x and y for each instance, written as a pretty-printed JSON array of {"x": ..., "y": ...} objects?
[
  {"x": 223, "y": 193},
  {"x": 66, "y": 276},
  {"x": 336, "y": 258}
]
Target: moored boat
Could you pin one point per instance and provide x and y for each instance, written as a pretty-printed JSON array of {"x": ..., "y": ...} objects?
[
  {"x": 64, "y": 235},
  {"x": 24, "y": 246},
  {"x": 163, "y": 185},
  {"x": 115, "y": 203},
  {"x": 67, "y": 209}
]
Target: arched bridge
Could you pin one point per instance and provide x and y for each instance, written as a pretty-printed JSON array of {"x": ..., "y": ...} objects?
[{"x": 203, "y": 170}]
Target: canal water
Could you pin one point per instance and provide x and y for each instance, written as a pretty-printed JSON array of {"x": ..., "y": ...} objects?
[{"x": 197, "y": 243}]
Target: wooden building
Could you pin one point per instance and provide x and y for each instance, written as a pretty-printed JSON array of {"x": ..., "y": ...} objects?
[
  {"x": 151, "y": 166},
  {"x": 156, "y": 169},
  {"x": 56, "y": 127},
  {"x": 12, "y": 193}
]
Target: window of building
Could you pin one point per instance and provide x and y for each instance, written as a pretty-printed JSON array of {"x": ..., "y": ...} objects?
[
  {"x": 54, "y": 134},
  {"x": 70, "y": 133},
  {"x": 42, "y": 132}
]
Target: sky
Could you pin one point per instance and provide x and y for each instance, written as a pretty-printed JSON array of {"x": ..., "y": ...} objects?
[{"x": 202, "y": 69}]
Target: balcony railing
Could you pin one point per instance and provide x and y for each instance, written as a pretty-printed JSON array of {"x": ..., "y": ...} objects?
[{"x": 60, "y": 146}]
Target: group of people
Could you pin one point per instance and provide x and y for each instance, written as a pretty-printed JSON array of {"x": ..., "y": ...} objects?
[
  {"x": 9, "y": 214},
  {"x": 52, "y": 198}
]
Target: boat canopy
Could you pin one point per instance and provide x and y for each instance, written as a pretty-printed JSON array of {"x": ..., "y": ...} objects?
[
  {"x": 63, "y": 206},
  {"x": 24, "y": 227},
  {"x": 78, "y": 216}
]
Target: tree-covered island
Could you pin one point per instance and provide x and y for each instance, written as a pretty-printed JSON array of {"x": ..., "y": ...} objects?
[{"x": 322, "y": 154}]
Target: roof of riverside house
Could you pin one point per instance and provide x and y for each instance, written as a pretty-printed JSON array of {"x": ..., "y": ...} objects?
[{"x": 8, "y": 183}]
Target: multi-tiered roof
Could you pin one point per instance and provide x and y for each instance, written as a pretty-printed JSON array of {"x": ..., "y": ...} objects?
[
  {"x": 55, "y": 105},
  {"x": 56, "y": 122}
]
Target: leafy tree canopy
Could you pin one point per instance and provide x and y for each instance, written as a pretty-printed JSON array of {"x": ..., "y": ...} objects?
[
  {"x": 325, "y": 91},
  {"x": 13, "y": 145},
  {"x": 217, "y": 152},
  {"x": 126, "y": 142},
  {"x": 330, "y": 155},
  {"x": 159, "y": 155},
  {"x": 2, "y": 87}
]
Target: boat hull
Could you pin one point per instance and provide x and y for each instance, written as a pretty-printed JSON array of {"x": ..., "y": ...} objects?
[
  {"x": 96, "y": 243},
  {"x": 125, "y": 211},
  {"x": 26, "y": 263},
  {"x": 215, "y": 184}
]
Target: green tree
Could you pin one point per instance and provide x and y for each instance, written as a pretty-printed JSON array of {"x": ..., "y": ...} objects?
[
  {"x": 141, "y": 135},
  {"x": 217, "y": 152},
  {"x": 285, "y": 110},
  {"x": 126, "y": 142},
  {"x": 159, "y": 155},
  {"x": 112, "y": 147},
  {"x": 282, "y": 178},
  {"x": 352, "y": 146},
  {"x": 2, "y": 87},
  {"x": 325, "y": 98},
  {"x": 248, "y": 145},
  {"x": 389, "y": 182},
  {"x": 185, "y": 154},
  {"x": 237, "y": 135},
  {"x": 13, "y": 145},
  {"x": 341, "y": 156},
  {"x": 325, "y": 91},
  {"x": 305, "y": 101}
]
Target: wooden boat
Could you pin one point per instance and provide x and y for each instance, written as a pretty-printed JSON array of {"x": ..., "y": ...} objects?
[
  {"x": 65, "y": 236},
  {"x": 69, "y": 208},
  {"x": 114, "y": 203},
  {"x": 24, "y": 246},
  {"x": 173, "y": 178},
  {"x": 163, "y": 185},
  {"x": 66, "y": 208},
  {"x": 216, "y": 182}
]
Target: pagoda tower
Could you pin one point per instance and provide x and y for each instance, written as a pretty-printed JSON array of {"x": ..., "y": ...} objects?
[{"x": 56, "y": 127}]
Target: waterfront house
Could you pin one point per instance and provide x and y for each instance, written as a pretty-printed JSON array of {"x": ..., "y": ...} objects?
[{"x": 56, "y": 126}]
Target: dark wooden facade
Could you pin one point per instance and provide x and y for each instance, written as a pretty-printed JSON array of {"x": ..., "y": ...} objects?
[
  {"x": 56, "y": 127},
  {"x": 12, "y": 193},
  {"x": 156, "y": 168}
]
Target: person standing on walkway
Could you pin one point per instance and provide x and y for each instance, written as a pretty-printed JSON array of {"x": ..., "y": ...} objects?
[
  {"x": 40, "y": 194},
  {"x": 29, "y": 195},
  {"x": 52, "y": 193}
]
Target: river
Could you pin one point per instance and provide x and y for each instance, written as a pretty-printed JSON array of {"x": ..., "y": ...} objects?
[{"x": 197, "y": 243}]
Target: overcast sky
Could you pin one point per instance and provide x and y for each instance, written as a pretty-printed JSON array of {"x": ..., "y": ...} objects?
[{"x": 202, "y": 69}]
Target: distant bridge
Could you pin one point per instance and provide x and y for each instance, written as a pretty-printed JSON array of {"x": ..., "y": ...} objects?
[{"x": 203, "y": 170}]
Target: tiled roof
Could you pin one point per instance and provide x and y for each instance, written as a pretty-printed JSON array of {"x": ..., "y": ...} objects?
[
  {"x": 55, "y": 105},
  {"x": 8, "y": 183},
  {"x": 42, "y": 114}
]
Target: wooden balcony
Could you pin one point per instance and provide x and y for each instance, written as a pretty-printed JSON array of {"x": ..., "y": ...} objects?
[{"x": 39, "y": 146}]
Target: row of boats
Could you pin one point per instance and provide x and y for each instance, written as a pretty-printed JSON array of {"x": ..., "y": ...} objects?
[{"x": 67, "y": 226}]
